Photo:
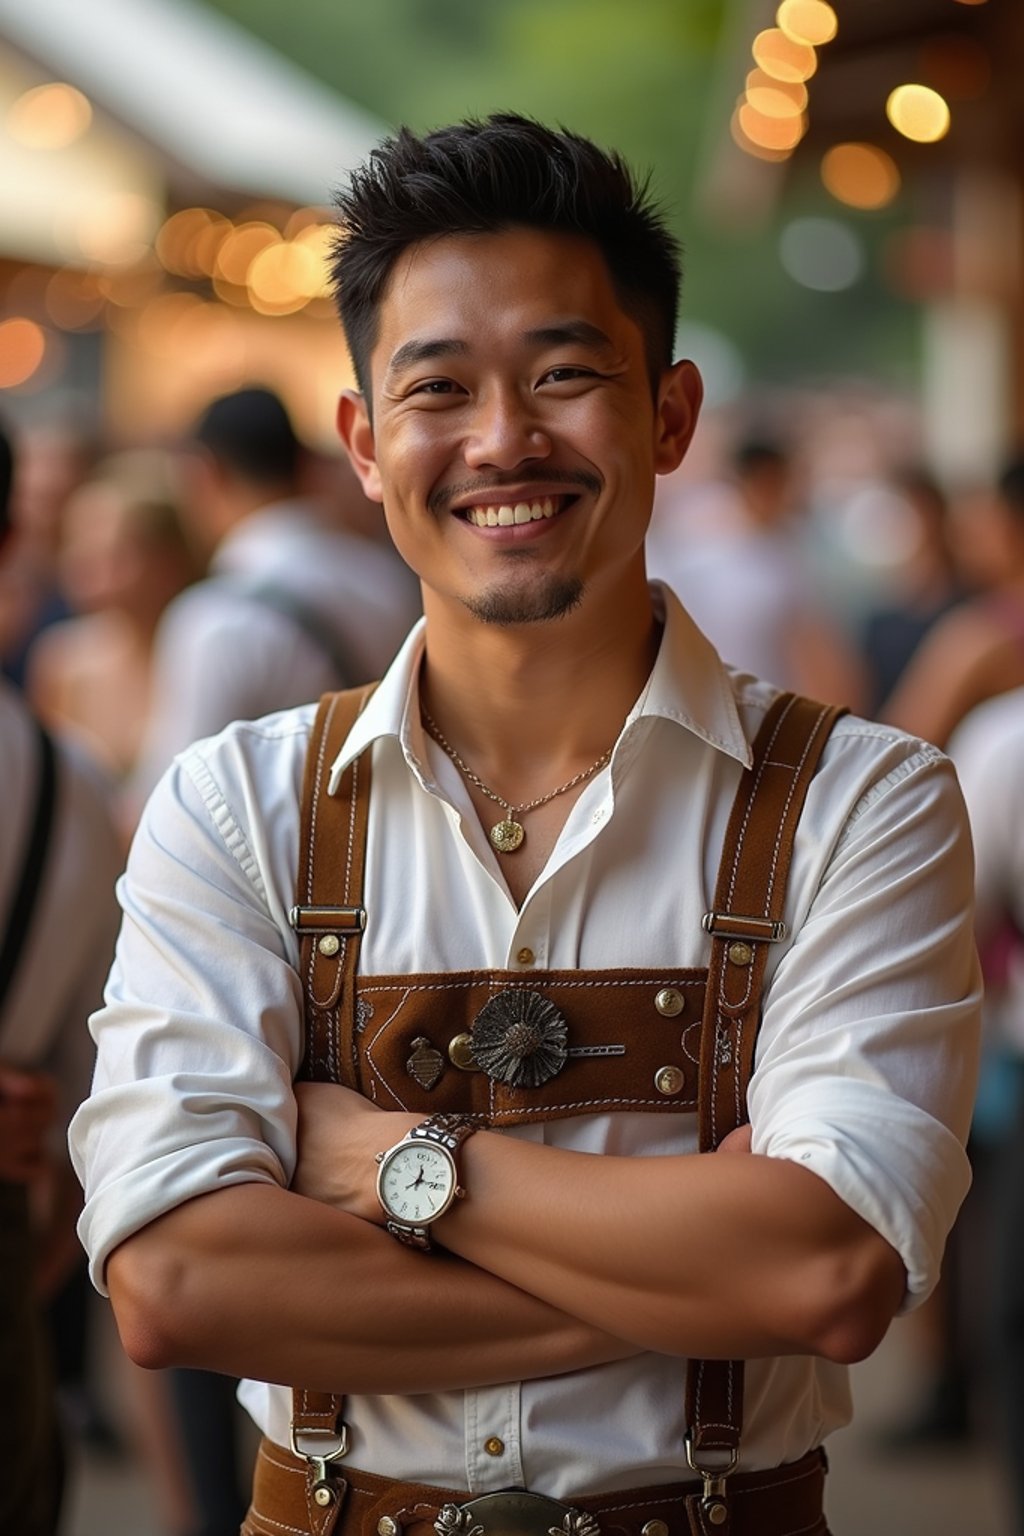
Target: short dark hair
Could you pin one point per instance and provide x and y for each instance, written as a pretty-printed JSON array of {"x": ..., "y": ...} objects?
[
  {"x": 481, "y": 177},
  {"x": 6, "y": 481},
  {"x": 251, "y": 432}
]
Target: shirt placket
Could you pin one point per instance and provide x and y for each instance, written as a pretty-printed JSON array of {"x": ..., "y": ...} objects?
[{"x": 493, "y": 1421}]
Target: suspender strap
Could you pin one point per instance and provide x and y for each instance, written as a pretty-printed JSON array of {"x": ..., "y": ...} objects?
[
  {"x": 329, "y": 918},
  {"x": 26, "y": 891},
  {"x": 747, "y": 917}
]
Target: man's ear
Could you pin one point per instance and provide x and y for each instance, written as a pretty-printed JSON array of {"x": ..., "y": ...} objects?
[
  {"x": 356, "y": 433},
  {"x": 679, "y": 400}
]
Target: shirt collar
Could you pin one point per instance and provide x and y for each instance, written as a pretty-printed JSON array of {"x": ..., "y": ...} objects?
[{"x": 688, "y": 684}]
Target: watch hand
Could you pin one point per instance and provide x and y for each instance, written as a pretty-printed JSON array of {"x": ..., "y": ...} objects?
[{"x": 417, "y": 1181}]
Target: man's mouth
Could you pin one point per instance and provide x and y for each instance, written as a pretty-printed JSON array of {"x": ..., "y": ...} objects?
[{"x": 512, "y": 513}]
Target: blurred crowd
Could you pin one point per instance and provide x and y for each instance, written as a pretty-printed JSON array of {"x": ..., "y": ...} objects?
[{"x": 150, "y": 595}]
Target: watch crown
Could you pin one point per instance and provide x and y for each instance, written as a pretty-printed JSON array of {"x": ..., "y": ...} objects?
[
  {"x": 379, "y": 1157},
  {"x": 460, "y": 1193}
]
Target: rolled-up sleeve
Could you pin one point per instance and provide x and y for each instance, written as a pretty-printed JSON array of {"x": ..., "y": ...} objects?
[
  {"x": 868, "y": 1053},
  {"x": 199, "y": 1037}
]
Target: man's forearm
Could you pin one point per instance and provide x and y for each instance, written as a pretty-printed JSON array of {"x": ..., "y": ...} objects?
[
  {"x": 735, "y": 1256},
  {"x": 257, "y": 1281}
]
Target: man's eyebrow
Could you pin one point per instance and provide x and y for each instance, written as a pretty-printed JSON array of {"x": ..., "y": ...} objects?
[
  {"x": 579, "y": 331},
  {"x": 412, "y": 352}
]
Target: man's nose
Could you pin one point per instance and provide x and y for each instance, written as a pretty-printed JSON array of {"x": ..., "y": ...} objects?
[{"x": 505, "y": 431}]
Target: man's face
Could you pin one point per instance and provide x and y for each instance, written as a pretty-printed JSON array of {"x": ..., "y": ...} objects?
[{"x": 515, "y": 438}]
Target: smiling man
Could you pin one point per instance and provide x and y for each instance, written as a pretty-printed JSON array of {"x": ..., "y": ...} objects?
[{"x": 529, "y": 972}]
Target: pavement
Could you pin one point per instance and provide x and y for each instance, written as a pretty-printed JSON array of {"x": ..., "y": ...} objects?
[{"x": 952, "y": 1491}]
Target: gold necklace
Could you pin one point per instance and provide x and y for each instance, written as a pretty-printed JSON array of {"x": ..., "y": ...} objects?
[{"x": 508, "y": 834}]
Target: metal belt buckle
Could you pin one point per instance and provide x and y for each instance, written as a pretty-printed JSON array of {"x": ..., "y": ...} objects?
[
  {"x": 319, "y": 1461},
  {"x": 514, "y": 1512},
  {"x": 713, "y": 1475}
]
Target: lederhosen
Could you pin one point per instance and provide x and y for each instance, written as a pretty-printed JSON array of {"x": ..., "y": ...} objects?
[{"x": 405, "y": 1041}]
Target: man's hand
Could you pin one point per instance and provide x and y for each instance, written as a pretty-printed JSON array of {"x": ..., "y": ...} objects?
[
  {"x": 340, "y": 1134},
  {"x": 28, "y": 1109}
]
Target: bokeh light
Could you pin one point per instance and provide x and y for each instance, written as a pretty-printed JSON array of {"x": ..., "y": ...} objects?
[
  {"x": 22, "y": 349},
  {"x": 775, "y": 98},
  {"x": 807, "y": 21},
  {"x": 919, "y": 113},
  {"x": 782, "y": 58},
  {"x": 860, "y": 175},
  {"x": 49, "y": 116},
  {"x": 771, "y": 132},
  {"x": 823, "y": 254}
]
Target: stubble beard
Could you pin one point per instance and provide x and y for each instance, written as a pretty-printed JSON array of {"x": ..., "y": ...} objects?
[{"x": 551, "y": 597}]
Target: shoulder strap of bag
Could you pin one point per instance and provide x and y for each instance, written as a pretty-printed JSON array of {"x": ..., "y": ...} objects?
[
  {"x": 746, "y": 918},
  {"x": 26, "y": 891}
]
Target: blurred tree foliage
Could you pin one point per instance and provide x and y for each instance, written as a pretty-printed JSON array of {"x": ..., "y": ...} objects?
[{"x": 650, "y": 77}]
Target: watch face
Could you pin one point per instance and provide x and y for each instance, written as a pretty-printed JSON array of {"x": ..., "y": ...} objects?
[{"x": 416, "y": 1182}]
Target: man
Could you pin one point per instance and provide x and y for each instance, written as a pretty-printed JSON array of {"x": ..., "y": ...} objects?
[
  {"x": 554, "y": 755},
  {"x": 59, "y": 858},
  {"x": 294, "y": 605}
]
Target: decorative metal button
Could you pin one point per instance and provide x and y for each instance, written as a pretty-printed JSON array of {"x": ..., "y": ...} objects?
[
  {"x": 520, "y": 1038},
  {"x": 525, "y": 956},
  {"x": 669, "y": 1002},
  {"x": 740, "y": 953},
  {"x": 494, "y": 1446},
  {"x": 323, "y": 1495},
  {"x": 717, "y": 1514},
  {"x": 329, "y": 944},
  {"x": 387, "y": 1527},
  {"x": 460, "y": 1053},
  {"x": 669, "y": 1080},
  {"x": 654, "y": 1528},
  {"x": 425, "y": 1064}
]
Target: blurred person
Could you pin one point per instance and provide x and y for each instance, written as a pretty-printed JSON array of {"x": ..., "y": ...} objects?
[
  {"x": 123, "y": 556},
  {"x": 976, "y": 651},
  {"x": 291, "y": 606},
  {"x": 59, "y": 858},
  {"x": 988, "y": 749},
  {"x": 927, "y": 585},
  {"x": 748, "y": 585},
  {"x": 509, "y": 295},
  {"x": 53, "y": 460}
]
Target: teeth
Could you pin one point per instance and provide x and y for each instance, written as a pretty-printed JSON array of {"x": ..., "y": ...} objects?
[{"x": 508, "y": 516}]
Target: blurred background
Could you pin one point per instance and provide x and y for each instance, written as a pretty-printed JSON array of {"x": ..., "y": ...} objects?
[{"x": 846, "y": 181}]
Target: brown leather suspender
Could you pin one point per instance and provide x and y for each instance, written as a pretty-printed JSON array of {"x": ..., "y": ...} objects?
[{"x": 746, "y": 919}]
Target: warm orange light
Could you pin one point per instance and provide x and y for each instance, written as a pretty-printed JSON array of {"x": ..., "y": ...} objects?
[
  {"x": 860, "y": 175},
  {"x": 807, "y": 21},
  {"x": 49, "y": 116},
  {"x": 117, "y": 228},
  {"x": 240, "y": 248},
  {"x": 782, "y": 58},
  {"x": 319, "y": 238},
  {"x": 73, "y": 300},
  {"x": 749, "y": 147},
  {"x": 919, "y": 113},
  {"x": 22, "y": 349},
  {"x": 775, "y": 98},
  {"x": 190, "y": 239},
  {"x": 771, "y": 132},
  {"x": 283, "y": 278}
]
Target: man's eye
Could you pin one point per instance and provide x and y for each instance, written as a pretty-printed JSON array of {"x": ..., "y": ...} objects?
[
  {"x": 434, "y": 387},
  {"x": 565, "y": 374}
]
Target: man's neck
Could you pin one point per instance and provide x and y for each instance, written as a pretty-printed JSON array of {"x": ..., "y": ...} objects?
[{"x": 533, "y": 704}]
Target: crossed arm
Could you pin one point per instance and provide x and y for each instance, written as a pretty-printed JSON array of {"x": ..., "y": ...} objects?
[{"x": 558, "y": 1261}]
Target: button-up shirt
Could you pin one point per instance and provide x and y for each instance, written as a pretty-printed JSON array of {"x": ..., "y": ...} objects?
[{"x": 865, "y": 1062}]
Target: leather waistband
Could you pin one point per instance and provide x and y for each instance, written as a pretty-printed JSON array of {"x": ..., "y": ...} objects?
[{"x": 786, "y": 1501}]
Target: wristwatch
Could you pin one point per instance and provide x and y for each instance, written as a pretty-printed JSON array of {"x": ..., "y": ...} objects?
[{"x": 418, "y": 1179}]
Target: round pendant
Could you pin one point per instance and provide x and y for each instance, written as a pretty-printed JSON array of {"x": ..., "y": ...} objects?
[{"x": 507, "y": 835}]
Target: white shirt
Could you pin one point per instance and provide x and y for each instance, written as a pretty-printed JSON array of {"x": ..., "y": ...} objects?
[
  {"x": 988, "y": 749},
  {"x": 222, "y": 654},
  {"x": 70, "y": 943},
  {"x": 865, "y": 1066}
]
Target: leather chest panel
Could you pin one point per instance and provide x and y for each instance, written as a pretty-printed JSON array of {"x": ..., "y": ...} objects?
[{"x": 619, "y": 1043}]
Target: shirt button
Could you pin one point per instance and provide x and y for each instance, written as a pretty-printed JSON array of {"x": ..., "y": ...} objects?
[
  {"x": 494, "y": 1446},
  {"x": 525, "y": 956},
  {"x": 597, "y": 818}
]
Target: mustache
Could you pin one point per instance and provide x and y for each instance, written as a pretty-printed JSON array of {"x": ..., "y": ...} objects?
[{"x": 441, "y": 499}]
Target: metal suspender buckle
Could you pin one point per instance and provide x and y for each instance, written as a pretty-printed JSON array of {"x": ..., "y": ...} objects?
[
  {"x": 731, "y": 925},
  {"x": 323, "y": 1489},
  {"x": 713, "y": 1475},
  {"x": 348, "y": 921}
]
